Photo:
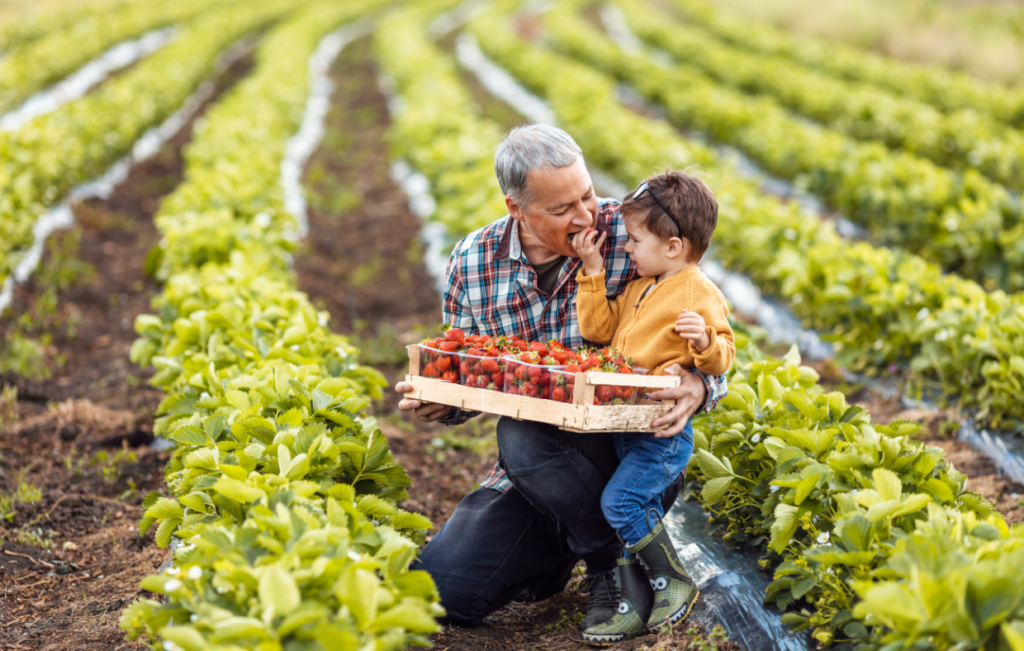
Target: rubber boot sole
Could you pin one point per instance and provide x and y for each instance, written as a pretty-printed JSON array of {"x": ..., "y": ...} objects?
[
  {"x": 609, "y": 640},
  {"x": 675, "y": 619}
]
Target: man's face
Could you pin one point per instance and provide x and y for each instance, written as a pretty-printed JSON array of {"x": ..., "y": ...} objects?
[{"x": 565, "y": 204}]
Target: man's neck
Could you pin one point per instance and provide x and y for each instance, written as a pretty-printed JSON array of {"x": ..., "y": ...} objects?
[{"x": 534, "y": 251}]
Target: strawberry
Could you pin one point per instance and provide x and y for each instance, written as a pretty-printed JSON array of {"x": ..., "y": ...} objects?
[
  {"x": 444, "y": 364},
  {"x": 604, "y": 394},
  {"x": 490, "y": 365},
  {"x": 539, "y": 348},
  {"x": 450, "y": 376},
  {"x": 457, "y": 335},
  {"x": 559, "y": 394},
  {"x": 449, "y": 346},
  {"x": 561, "y": 356},
  {"x": 429, "y": 370}
]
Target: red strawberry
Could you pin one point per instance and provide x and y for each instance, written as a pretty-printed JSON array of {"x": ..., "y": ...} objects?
[
  {"x": 444, "y": 364},
  {"x": 429, "y": 370},
  {"x": 558, "y": 393},
  {"x": 490, "y": 366},
  {"x": 604, "y": 394},
  {"x": 450, "y": 376},
  {"x": 455, "y": 334},
  {"x": 560, "y": 356},
  {"x": 539, "y": 348},
  {"x": 449, "y": 346}
]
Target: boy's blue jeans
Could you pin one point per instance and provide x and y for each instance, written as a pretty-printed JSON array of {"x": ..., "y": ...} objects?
[{"x": 647, "y": 467}]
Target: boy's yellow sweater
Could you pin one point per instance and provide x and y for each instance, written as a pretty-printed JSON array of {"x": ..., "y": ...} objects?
[{"x": 644, "y": 331}]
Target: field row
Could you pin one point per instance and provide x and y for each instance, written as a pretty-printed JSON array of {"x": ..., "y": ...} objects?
[
  {"x": 948, "y": 91},
  {"x": 284, "y": 495},
  {"x": 778, "y": 459},
  {"x": 965, "y": 138},
  {"x": 963, "y": 222}
]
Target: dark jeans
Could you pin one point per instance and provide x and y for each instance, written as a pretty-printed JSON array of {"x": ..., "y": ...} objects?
[
  {"x": 530, "y": 537},
  {"x": 647, "y": 467}
]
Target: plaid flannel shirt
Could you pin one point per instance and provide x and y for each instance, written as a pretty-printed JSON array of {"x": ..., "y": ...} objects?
[{"x": 492, "y": 288}]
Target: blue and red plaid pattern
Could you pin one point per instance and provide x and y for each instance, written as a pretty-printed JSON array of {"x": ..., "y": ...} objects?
[{"x": 492, "y": 288}]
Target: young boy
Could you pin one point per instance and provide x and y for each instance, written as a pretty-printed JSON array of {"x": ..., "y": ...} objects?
[{"x": 670, "y": 219}]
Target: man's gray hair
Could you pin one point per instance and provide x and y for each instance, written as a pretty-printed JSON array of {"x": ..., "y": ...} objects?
[{"x": 528, "y": 148}]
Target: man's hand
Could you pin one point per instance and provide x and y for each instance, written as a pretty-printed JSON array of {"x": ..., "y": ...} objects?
[
  {"x": 690, "y": 325},
  {"x": 689, "y": 396},
  {"x": 587, "y": 245},
  {"x": 428, "y": 411}
]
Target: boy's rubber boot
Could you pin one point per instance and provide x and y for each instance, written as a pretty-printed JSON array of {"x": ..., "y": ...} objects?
[
  {"x": 674, "y": 591},
  {"x": 634, "y": 610}
]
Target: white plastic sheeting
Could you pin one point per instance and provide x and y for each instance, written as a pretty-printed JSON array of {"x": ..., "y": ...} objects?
[
  {"x": 101, "y": 187},
  {"x": 302, "y": 145},
  {"x": 92, "y": 73}
]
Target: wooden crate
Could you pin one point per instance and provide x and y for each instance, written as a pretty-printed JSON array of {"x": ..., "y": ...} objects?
[{"x": 581, "y": 415}]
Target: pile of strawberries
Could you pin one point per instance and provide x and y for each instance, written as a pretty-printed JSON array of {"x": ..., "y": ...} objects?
[{"x": 515, "y": 366}]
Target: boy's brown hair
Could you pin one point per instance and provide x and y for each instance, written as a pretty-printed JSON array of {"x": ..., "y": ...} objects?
[{"x": 687, "y": 198}]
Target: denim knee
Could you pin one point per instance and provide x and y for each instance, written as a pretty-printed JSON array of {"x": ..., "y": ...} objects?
[
  {"x": 526, "y": 447},
  {"x": 616, "y": 509}
]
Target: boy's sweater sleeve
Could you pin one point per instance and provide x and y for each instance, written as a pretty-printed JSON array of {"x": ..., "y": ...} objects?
[
  {"x": 598, "y": 316},
  {"x": 718, "y": 356}
]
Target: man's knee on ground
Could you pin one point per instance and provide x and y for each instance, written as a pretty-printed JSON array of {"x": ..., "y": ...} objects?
[{"x": 525, "y": 446}]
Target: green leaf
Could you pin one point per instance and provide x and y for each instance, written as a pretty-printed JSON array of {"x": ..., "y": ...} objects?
[
  {"x": 410, "y": 615},
  {"x": 887, "y": 484},
  {"x": 802, "y": 587},
  {"x": 165, "y": 508},
  {"x": 165, "y": 531},
  {"x": 278, "y": 590},
  {"x": 188, "y": 435},
  {"x": 787, "y": 519},
  {"x": 856, "y": 630},
  {"x": 714, "y": 489},
  {"x": 711, "y": 465},
  {"x": 359, "y": 590},
  {"x": 237, "y": 490}
]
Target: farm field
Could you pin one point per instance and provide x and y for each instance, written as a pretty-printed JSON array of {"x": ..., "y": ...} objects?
[{"x": 205, "y": 350}]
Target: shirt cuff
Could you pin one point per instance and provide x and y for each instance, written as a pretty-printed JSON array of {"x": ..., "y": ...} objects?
[
  {"x": 458, "y": 416},
  {"x": 711, "y": 384}
]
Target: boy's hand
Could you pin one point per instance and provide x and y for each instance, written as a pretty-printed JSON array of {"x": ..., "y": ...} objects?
[
  {"x": 690, "y": 325},
  {"x": 588, "y": 245}
]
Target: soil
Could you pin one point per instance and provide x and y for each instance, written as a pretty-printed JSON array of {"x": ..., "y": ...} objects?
[{"x": 71, "y": 560}]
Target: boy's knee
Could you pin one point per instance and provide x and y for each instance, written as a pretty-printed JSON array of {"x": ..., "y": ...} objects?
[{"x": 616, "y": 510}]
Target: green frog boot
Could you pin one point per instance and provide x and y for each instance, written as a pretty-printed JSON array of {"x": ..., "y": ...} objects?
[
  {"x": 634, "y": 610},
  {"x": 674, "y": 591}
]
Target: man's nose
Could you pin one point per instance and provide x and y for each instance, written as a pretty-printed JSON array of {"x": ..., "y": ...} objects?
[{"x": 581, "y": 216}]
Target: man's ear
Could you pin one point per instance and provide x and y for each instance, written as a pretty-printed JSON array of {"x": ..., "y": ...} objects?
[{"x": 513, "y": 209}]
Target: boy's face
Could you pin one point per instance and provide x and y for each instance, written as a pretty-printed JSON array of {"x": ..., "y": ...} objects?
[{"x": 649, "y": 252}]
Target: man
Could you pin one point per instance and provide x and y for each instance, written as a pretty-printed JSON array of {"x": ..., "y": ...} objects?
[{"x": 539, "y": 509}]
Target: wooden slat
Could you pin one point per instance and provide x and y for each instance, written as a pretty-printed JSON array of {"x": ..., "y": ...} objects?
[
  {"x": 624, "y": 380},
  {"x": 580, "y": 417}
]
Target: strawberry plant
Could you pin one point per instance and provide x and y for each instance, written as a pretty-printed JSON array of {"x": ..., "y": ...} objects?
[{"x": 285, "y": 494}]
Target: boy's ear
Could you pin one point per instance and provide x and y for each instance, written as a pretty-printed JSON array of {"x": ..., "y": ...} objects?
[
  {"x": 678, "y": 247},
  {"x": 682, "y": 248}
]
